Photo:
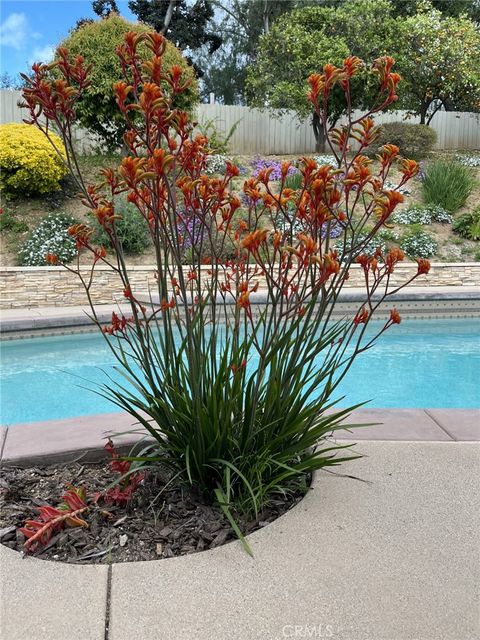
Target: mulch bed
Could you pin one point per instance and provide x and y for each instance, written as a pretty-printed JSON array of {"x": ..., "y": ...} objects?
[{"x": 160, "y": 522}]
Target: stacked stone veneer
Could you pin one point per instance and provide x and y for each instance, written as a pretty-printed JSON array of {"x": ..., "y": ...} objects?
[{"x": 54, "y": 286}]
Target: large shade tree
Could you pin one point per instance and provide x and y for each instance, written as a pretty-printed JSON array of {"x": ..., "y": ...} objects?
[
  {"x": 302, "y": 41},
  {"x": 97, "y": 42}
]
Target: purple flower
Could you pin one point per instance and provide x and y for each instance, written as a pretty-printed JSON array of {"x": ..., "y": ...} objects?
[
  {"x": 259, "y": 163},
  {"x": 421, "y": 174},
  {"x": 247, "y": 201},
  {"x": 189, "y": 228},
  {"x": 336, "y": 230}
]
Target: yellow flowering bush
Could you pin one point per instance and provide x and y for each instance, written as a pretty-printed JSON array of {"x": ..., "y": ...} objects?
[{"x": 28, "y": 162}]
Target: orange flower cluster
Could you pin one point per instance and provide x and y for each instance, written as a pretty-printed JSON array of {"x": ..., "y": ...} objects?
[{"x": 118, "y": 324}]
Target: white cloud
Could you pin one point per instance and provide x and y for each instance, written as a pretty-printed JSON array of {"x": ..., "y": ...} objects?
[
  {"x": 42, "y": 54},
  {"x": 13, "y": 31}
]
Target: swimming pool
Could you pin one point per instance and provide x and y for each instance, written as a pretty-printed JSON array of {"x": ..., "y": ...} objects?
[{"x": 419, "y": 364}]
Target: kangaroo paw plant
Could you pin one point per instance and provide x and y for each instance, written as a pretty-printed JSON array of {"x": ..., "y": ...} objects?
[
  {"x": 78, "y": 502},
  {"x": 233, "y": 366}
]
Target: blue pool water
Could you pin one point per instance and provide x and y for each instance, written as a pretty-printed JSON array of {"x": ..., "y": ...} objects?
[{"x": 421, "y": 363}]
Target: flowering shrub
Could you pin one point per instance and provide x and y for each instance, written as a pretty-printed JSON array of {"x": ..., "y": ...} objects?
[
  {"x": 238, "y": 404},
  {"x": 50, "y": 237},
  {"x": 469, "y": 160},
  {"x": 28, "y": 164},
  {"x": 423, "y": 215},
  {"x": 216, "y": 164},
  {"x": 325, "y": 159},
  {"x": 417, "y": 242}
]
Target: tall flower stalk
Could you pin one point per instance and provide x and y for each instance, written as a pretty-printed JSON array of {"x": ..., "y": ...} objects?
[{"x": 237, "y": 396}]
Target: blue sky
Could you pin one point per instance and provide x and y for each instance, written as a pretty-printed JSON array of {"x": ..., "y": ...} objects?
[{"x": 30, "y": 30}]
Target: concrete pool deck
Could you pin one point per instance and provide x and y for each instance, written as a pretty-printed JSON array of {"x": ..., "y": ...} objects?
[{"x": 392, "y": 558}]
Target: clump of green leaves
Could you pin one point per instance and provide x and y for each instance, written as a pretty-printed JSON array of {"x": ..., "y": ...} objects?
[
  {"x": 9, "y": 222},
  {"x": 468, "y": 225},
  {"x": 294, "y": 181},
  {"x": 218, "y": 142},
  {"x": 448, "y": 184},
  {"x": 131, "y": 229}
]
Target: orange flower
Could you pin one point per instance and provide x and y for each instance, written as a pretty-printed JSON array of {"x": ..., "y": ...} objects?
[
  {"x": 254, "y": 239},
  {"x": 231, "y": 169},
  {"x": 351, "y": 65},
  {"x": 308, "y": 245},
  {"x": 316, "y": 86},
  {"x": 387, "y": 153},
  {"x": 277, "y": 238},
  {"x": 393, "y": 256},
  {"x": 361, "y": 316},
  {"x": 165, "y": 305},
  {"x": 423, "y": 266},
  {"x": 410, "y": 168},
  {"x": 99, "y": 253},
  {"x": 386, "y": 203},
  {"x": 243, "y": 300},
  {"x": 51, "y": 259},
  {"x": 395, "y": 316}
]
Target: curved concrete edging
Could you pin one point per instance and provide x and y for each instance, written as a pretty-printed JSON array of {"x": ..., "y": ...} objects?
[{"x": 395, "y": 557}]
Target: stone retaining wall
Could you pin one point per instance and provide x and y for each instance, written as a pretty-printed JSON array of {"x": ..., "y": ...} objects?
[{"x": 54, "y": 286}]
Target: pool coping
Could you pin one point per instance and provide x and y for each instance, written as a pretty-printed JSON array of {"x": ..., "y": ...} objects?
[
  {"x": 20, "y": 322},
  {"x": 84, "y": 437}
]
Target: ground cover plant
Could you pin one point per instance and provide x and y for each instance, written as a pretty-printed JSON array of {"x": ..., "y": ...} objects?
[
  {"x": 50, "y": 237},
  {"x": 236, "y": 398}
]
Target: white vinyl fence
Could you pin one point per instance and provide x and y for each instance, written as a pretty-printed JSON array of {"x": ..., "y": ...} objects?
[{"x": 261, "y": 132}]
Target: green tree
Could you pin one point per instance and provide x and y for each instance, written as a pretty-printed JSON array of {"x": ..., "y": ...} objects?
[
  {"x": 437, "y": 57},
  {"x": 302, "y": 41},
  {"x": 454, "y": 8},
  {"x": 104, "y": 8},
  {"x": 188, "y": 25},
  {"x": 96, "y": 42},
  {"x": 240, "y": 24}
]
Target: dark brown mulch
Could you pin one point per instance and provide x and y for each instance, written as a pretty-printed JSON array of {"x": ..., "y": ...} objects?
[{"x": 160, "y": 522}]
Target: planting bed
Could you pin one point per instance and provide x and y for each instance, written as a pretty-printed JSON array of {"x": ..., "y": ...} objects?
[{"x": 160, "y": 522}]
